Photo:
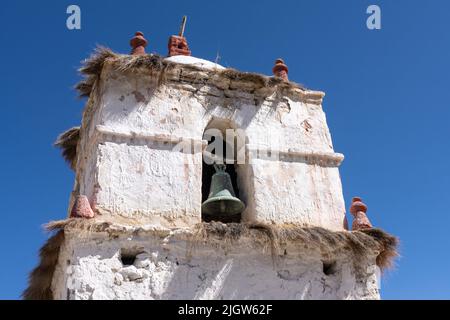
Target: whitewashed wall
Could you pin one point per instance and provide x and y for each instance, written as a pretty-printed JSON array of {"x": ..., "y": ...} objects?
[
  {"x": 129, "y": 172},
  {"x": 173, "y": 268}
]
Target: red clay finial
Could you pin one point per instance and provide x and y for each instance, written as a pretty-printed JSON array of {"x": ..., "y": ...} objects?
[
  {"x": 178, "y": 46},
  {"x": 81, "y": 208},
  {"x": 358, "y": 209},
  {"x": 138, "y": 43},
  {"x": 280, "y": 70}
]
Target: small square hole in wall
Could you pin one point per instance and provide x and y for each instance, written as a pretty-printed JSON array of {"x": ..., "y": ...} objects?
[
  {"x": 329, "y": 267},
  {"x": 128, "y": 256}
]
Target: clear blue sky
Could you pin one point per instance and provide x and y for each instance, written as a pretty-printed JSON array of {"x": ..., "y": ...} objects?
[{"x": 387, "y": 107}]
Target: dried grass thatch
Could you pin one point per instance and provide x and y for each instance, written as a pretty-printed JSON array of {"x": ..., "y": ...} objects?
[
  {"x": 389, "y": 246},
  {"x": 92, "y": 68},
  {"x": 40, "y": 279},
  {"x": 83, "y": 226},
  {"x": 68, "y": 142},
  {"x": 357, "y": 243},
  {"x": 360, "y": 243},
  {"x": 233, "y": 74}
]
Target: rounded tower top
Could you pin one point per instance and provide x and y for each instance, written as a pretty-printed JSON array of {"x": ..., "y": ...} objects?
[{"x": 202, "y": 63}]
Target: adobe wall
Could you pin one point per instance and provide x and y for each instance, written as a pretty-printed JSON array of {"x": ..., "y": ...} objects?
[{"x": 128, "y": 166}]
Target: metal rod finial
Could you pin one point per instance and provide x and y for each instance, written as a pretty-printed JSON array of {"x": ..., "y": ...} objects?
[{"x": 183, "y": 26}]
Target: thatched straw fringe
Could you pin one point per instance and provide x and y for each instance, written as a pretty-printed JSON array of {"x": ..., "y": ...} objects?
[
  {"x": 92, "y": 68},
  {"x": 83, "y": 226},
  {"x": 68, "y": 142},
  {"x": 359, "y": 243},
  {"x": 389, "y": 245},
  {"x": 40, "y": 279}
]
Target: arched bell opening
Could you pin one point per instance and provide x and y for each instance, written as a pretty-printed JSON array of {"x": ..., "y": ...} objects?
[{"x": 220, "y": 182}]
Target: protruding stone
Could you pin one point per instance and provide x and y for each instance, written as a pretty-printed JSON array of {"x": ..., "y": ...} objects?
[
  {"x": 178, "y": 46},
  {"x": 138, "y": 44},
  {"x": 280, "y": 70},
  {"x": 81, "y": 208},
  {"x": 358, "y": 209}
]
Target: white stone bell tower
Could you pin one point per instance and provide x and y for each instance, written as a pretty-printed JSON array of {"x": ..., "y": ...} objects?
[{"x": 135, "y": 228}]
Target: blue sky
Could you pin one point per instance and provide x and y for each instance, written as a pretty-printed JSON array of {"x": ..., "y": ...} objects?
[{"x": 387, "y": 107}]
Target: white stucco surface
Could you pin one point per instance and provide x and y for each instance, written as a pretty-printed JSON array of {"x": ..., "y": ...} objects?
[
  {"x": 139, "y": 162},
  {"x": 202, "y": 63},
  {"x": 127, "y": 164},
  {"x": 170, "y": 267}
]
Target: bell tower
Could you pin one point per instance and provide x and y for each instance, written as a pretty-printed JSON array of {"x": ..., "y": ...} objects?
[{"x": 159, "y": 212}]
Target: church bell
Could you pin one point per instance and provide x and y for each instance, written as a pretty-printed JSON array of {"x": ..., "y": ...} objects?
[{"x": 222, "y": 201}]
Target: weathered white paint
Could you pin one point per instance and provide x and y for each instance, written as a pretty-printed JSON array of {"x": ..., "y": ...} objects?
[
  {"x": 298, "y": 192},
  {"x": 130, "y": 165},
  {"x": 126, "y": 165},
  {"x": 170, "y": 267},
  {"x": 202, "y": 63}
]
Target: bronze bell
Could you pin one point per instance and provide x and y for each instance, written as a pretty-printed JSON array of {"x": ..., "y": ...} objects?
[{"x": 222, "y": 201}]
